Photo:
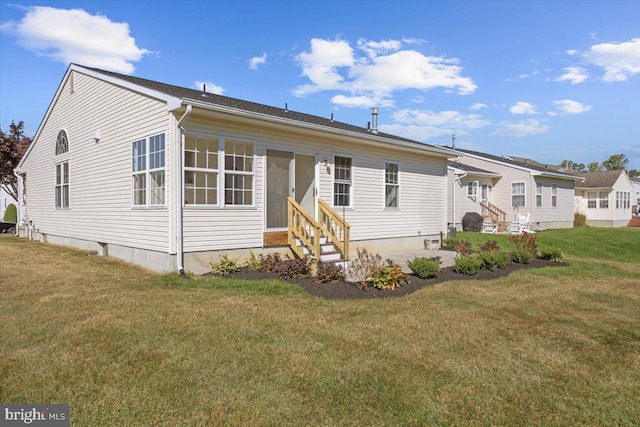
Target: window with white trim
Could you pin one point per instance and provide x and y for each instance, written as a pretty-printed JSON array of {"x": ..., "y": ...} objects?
[
  {"x": 62, "y": 171},
  {"x": 538, "y": 194},
  {"x": 603, "y": 201},
  {"x": 627, "y": 200},
  {"x": 238, "y": 173},
  {"x": 592, "y": 200},
  {"x": 148, "y": 171},
  {"x": 518, "y": 192},
  {"x": 554, "y": 195},
  {"x": 342, "y": 181},
  {"x": 201, "y": 170},
  {"x": 472, "y": 189},
  {"x": 391, "y": 184}
]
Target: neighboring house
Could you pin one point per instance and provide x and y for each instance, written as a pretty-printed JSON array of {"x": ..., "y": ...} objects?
[
  {"x": 500, "y": 188},
  {"x": 169, "y": 178},
  {"x": 635, "y": 192},
  {"x": 605, "y": 198},
  {"x": 6, "y": 199}
]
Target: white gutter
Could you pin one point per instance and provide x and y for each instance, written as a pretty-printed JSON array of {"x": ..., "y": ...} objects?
[
  {"x": 20, "y": 198},
  {"x": 180, "y": 191}
]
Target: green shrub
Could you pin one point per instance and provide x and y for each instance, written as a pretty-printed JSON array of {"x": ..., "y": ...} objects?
[
  {"x": 579, "y": 220},
  {"x": 449, "y": 243},
  {"x": 494, "y": 259},
  {"x": 467, "y": 264},
  {"x": 463, "y": 247},
  {"x": 525, "y": 242},
  {"x": 224, "y": 266},
  {"x": 389, "y": 276},
  {"x": 295, "y": 268},
  {"x": 489, "y": 245},
  {"x": 362, "y": 267},
  {"x": 522, "y": 256},
  {"x": 270, "y": 262},
  {"x": 425, "y": 268},
  {"x": 11, "y": 214},
  {"x": 253, "y": 263},
  {"x": 328, "y": 272},
  {"x": 552, "y": 254}
]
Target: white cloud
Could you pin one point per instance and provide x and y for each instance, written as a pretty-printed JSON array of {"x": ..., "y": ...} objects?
[
  {"x": 620, "y": 61},
  {"x": 523, "y": 108},
  {"x": 75, "y": 36},
  {"x": 574, "y": 75},
  {"x": 361, "y": 101},
  {"x": 423, "y": 125},
  {"x": 211, "y": 87},
  {"x": 572, "y": 52},
  {"x": 520, "y": 129},
  {"x": 376, "y": 69},
  {"x": 257, "y": 60},
  {"x": 571, "y": 107},
  {"x": 478, "y": 106}
]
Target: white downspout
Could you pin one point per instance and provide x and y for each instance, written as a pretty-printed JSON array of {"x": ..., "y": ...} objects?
[
  {"x": 19, "y": 208},
  {"x": 455, "y": 200},
  {"x": 180, "y": 191}
]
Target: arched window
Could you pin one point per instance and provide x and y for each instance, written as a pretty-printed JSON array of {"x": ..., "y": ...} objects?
[{"x": 62, "y": 144}]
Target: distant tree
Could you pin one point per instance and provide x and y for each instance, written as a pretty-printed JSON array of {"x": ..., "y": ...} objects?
[
  {"x": 594, "y": 167},
  {"x": 616, "y": 162},
  {"x": 633, "y": 173},
  {"x": 12, "y": 148},
  {"x": 570, "y": 164}
]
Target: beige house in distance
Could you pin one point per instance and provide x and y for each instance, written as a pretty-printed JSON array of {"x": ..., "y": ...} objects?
[
  {"x": 605, "y": 198},
  {"x": 501, "y": 188},
  {"x": 169, "y": 178}
]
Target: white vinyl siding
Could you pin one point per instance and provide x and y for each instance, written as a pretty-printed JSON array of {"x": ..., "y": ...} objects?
[
  {"x": 391, "y": 184},
  {"x": 518, "y": 194}
]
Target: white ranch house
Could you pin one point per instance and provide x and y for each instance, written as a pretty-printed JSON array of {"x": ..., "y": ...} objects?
[
  {"x": 605, "y": 198},
  {"x": 169, "y": 178},
  {"x": 499, "y": 188}
]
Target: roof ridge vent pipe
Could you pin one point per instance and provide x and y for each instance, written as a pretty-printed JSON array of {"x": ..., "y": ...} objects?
[
  {"x": 374, "y": 120},
  {"x": 453, "y": 141}
]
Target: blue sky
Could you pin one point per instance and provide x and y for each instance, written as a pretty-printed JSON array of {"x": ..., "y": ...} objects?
[{"x": 549, "y": 80}]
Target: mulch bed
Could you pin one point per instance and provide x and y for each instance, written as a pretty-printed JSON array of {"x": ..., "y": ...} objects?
[{"x": 350, "y": 290}]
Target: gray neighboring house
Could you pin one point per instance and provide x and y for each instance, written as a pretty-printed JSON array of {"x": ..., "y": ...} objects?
[
  {"x": 605, "y": 198},
  {"x": 169, "y": 178},
  {"x": 499, "y": 187}
]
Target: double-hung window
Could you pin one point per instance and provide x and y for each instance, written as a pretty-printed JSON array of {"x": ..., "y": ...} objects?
[
  {"x": 148, "y": 171},
  {"x": 238, "y": 173},
  {"x": 517, "y": 194},
  {"x": 538, "y": 194},
  {"x": 554, "y": 195},
  {"x": 201, "y": 170},
  {"x": 603, "y": 203},
  {"x": 342, "y": 181},
  {"x": 391, "y": 185},
  {"x": 62, "y": 171},
  {"x": 472, "y": 189},
  {"x": 592, "y": 200}
]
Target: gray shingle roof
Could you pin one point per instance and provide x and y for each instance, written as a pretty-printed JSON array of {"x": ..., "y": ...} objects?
[
  {"x": 604, "y": 179},
  {"x": 473, "y": 170},
  {"x": 225, "y": 101}
]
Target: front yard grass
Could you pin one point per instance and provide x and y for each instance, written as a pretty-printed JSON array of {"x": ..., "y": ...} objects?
[{"x": 123, "y": 346}]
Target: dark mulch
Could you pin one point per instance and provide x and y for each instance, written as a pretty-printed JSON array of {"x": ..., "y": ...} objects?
[{"x": 350, "y": 290}]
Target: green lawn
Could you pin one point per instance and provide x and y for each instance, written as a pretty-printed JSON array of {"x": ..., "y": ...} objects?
[{"x": 126, "y": 347}]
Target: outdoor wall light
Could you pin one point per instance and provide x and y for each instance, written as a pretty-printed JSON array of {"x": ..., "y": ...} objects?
[{"x": 96, "y": 136}]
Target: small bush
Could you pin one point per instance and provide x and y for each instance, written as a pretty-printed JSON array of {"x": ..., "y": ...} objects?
[
  {"x": 552, "y": 254},
  {"x": 522, "y": 256},
  {"x": 270, "y": 262},
  {"x": 463, "y": 247},
  {"x": 449, "y": 243},
  {"x": 467, "y": 264},
  {"x": 525, "y": 242},
  {"x": 253, "y": 263},
  {"x": 328, "y": 272},
  {"x": 11, "y": 214},
  {"x": 579, "y": 220},
  {"x": 224, "y": 266},
  {"x": 489, "y": 245},
  {"x": 389, "y": 276},
  {"x": 362, "y": 267},
  {"x": 295, "y": 268},
  {"x": 425, "y": 268},
  {"x": 494, "y": 259}
]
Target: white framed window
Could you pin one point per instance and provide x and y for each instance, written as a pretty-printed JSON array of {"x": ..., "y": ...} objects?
[
  {"x": 618, "y": 199},
  {"x": 238, "y": 173},
  {"x": 148, "y": 171},
  {"x": 627, "y": 200},
  {"x": 472, "y": 189},
  {"x": 603, "y": 201},
  {"x": 592, "y": 200},
  {"x": 538, "y": 194},
  {"x": 62, "y": 185},
  {"x": 342, "y": 181},
  {"x": 62, "y": 143},
  {"x": 518, "y": 193},
  {"x": 201, "y": 170},
  {"x": 391, "y": 184},
  {"x": 554, "y": 195}
]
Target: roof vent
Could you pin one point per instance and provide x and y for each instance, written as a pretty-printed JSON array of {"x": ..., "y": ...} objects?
[
  {"x": 286, "y": 107},
  {"x": 204, "y": 91},
  {"x": 453, "y": 141},
  {"x": 374, "y": 119}
]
